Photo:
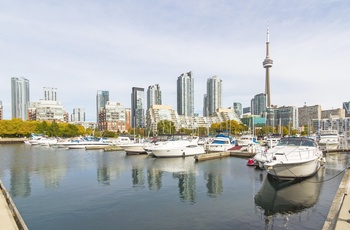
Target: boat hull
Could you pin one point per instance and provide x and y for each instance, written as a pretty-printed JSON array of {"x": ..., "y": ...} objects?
[
  {"x": 289, "y": 171},
  {"x": 178, "y": 152}
]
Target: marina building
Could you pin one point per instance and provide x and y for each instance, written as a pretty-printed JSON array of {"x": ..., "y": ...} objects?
[
  {"x": 154, "y": 95},
  {"x": 50, "y": 94},
  {"x": 237, "y": 107},
  {"x": 20, "y": 97},
  {"x": 185, "y": 94},
  {"x": 113, "y": 118},
  {"x": 44, "y": 110},
  {"x": 137, "y": 108},
  {"x": 342, "y": 125},
  {"x": 158, "y": 113},
  {"x": 102, "y": 97},
  {"x": 78, "y": 115}
]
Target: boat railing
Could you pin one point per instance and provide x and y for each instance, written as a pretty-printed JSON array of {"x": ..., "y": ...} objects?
[{"x": 301, "y": 153}]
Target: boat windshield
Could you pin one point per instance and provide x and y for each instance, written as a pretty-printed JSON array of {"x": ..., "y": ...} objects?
[{"x": 297, "y": 142}]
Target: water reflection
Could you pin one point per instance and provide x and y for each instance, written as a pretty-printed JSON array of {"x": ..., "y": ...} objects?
[{"x": 288, "y": 197}]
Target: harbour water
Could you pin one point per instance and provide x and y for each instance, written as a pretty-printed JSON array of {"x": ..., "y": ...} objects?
[{"x": 92, "y": 189}]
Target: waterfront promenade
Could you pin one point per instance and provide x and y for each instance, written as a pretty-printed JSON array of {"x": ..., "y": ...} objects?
[
  {"x": 339, "y": 214},
  {"x": 10, "y": 219}
]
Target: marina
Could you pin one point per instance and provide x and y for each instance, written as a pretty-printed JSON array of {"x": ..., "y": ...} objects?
[{"x": 74, "y": 188}]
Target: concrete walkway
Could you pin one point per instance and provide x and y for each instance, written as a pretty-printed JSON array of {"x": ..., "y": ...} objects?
[
  {"x": 339, "y": 214},
  {"x": 10, "y": 219}
]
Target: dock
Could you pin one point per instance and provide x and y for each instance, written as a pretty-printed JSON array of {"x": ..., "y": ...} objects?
[
  {"x": 12, "y": 140},
  {"x": 210, "y": 156},
  {"x": 10, "y": 219},
  {"x": 113, "y": 148},
  {"x": 339, "y": 150}
]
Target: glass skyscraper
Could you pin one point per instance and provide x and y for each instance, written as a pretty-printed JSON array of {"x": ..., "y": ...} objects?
[
  {"x": 154, "y": 95},
  {"x": 137, "y": 108},
  {"x": 213, "y": 98},
  {"x": 185, "y": 94},
  {"x": 20, "y": 97},
  {"x": 101, "y": 100}
]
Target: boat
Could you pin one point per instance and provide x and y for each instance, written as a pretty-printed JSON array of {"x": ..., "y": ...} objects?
[
  {"x": 329, "y": 139},
  {"x": 178, "y": 147},
  {"x": 272, "y": 141},
  {"x": 292, "y": 158},
  {"x": 246, "y": 139},
  {"x": 136, "y": 148},
  {"x": 81, "y": 143},
  {"x": 220, "y": 143}
]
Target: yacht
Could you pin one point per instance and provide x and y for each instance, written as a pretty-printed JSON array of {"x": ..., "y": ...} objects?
[
  {"x": 177, "y": 147},
  {"x": 292, "y": 158},
  {"x": 220, "y": 143},
  {"x": 246, "y": 139},
  {"x": 329, "y": 139}
]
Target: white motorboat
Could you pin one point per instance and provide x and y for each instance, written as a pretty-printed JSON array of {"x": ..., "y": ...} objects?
[
  {"x": 271, "y": 142},
  {"x": 178, "y": 147},
  {"x": 292, "y": 158},
  {"x": 329, "y": 139},
  {"x": 136, "y": 148},
  {"x": 245, "y": 139},
  {"x": 220, "y": 143}
]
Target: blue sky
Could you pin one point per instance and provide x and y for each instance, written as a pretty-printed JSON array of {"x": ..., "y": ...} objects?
[{"x": 80, "y": 47}]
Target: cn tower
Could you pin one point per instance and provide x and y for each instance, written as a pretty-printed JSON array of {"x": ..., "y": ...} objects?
[{"x": 267, "y": 65}]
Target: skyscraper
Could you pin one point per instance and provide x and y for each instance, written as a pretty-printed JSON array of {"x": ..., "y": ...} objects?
[
  {"x": 1, "y": 110},
  {"x": 78, "y": 115},
  {"x": 213, "y": 98},
  {"x": 237, "y": 107},
  {"x": 258, "y": 104},
  {"x": 101, "y": 100},
  {"x": 267, "y": 65},
  {"x": 50, "y": 94},
  {"x": 137, "y": 108},
  {"x": 20, "y": 97},
  {"x": 154, "y": 95},
  {"x": 185, "y": 94}
]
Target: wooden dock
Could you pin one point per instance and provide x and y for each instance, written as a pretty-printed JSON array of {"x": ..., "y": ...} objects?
[
  {"x": 336, "y": 150},
  {"x": 9, "y": 215},
  {"x": 210, "y": 156},
  {"x": 113, "y": 148},
  {"x": 11, "y": 140},
  {"x": 244, "y": 154}
]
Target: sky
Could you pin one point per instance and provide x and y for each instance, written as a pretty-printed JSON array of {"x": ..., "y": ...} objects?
[{"x": 82, "y": 46}]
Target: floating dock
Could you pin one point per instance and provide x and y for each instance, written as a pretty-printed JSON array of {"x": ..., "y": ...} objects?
[
  {"x": 11, "y": 140},
  {"x": 9, "y": 215},
  {"x": 113, "y": 148},
  {"x": 210, "y": 156}
]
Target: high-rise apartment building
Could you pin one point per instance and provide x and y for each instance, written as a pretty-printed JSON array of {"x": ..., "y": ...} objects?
[
  {"x": 213, "y": 97},
  {"x": 114, "y": 118},
  {"x": 50, "y": 94},
  {"x": 346, "y": 106},
  {"x": 47, "y": 111},
  {"x": 185, "y": 94},
  {"x": 1, "y": 110},
  {"x": 308, "y": 113},
  {"x": 78, "y": 115},
  {"x": 20, "y": 97},
  {"x": 101, "y": 100},
  {"x": 258, "y": 104},
  {"x": 154, "y": 95},
  {"x": 137, "y": 108},
  {"x": 237, "y": 107}
]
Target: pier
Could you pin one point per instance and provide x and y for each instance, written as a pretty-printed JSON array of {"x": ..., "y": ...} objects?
[
  {"x": 11, "y": 140},
  {"x": 9, "y": 215}
]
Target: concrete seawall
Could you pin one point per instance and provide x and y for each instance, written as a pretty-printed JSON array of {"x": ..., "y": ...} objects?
[
  {"x": 9, "y": 215},
  {"x": 339, "y": 214}
]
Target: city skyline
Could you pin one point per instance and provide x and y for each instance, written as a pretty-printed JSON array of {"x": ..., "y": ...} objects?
[{"x": 82, "y": 47}]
